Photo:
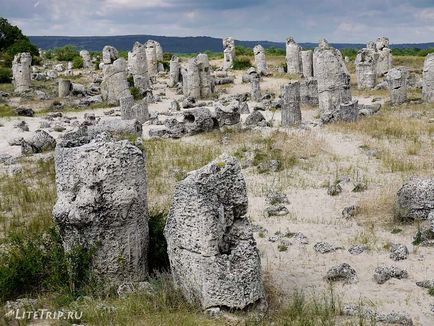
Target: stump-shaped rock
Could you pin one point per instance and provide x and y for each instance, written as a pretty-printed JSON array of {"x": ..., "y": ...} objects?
[
  {"x": 416, "y": 199},
  {"x": 22, "y": 72},
  {"x": 212, "y": 252}
]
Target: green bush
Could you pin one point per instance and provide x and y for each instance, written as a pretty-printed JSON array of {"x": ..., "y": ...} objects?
[
  {"x": 65, "y": 53},
  {"x": 275, "y": 51},
  {"x": 135, "y": 92},
  {"x": 241, "y": 63},
  {"x": 5, "y": 75},
  {"x": 77, "y": 62},
  {"x": 242, "y": 50}
]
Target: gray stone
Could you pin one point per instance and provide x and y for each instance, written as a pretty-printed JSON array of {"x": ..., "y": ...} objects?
[
  {"x": 427, "y": 284},
  {"x": 307, "y": 63},
  {"x": 342, "y": 272},
  {"x": 22, "y": 72},
  {"x": 366, "y": 68},
  {"x": 174, "y": 72},
  {"x": 357, "y": 249},
  {"x": 397, "y": 83},
  {"x": 255, "y": 91},
  {"x": 138, "y": 66},
  {"x": 198, "y": 120},
  {"x": 39, "y": 142},
  {"x": 260, "y": 62},
  {"x": 205, "y": 82},
  {"x": 293, "y": 57},
  {"x": 116, "y": 126},
  {"x": 87, "y": 60},
  {"x": 109, "y": 54},
  {"x": 309, "y": 91},
  {"x": 228, "y": 115},
  {"x": 325, "y": 247},
  {"x": 370, "y": 314},
  {"x": 350, "y": 211},
  {"x": 384, "y": 62},
  {"x": 25, "y": 112},
  {"x": 244, "y": 108},
  {"x": 115, "y": 84},
  {"x": 383, "y": 274},
  {"x": 415, "y": 199},
  {"x": 255, "y": 118},
  {"x": 276, "y": 210},
  {"x": 64, "y": 87},
  {"x": 398, "y": 252},
  {"x": 102, "y": 204},
  {"x": 428, "y": 79},
  {"x": 291, "y": 113},
  {"x": 228, "y": 53},
  {"x": 212, "y": 252},
  {"x": 151, "y": 56}
]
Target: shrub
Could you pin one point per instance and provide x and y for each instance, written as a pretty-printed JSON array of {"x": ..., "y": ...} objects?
[
  {"x": 241, "y": 63},
  {"x": 242, "y": 50},
  {"x": 275, "y": 51},
  {"x": 65, "y": 53},
  {"x": 135, "y": 92},
  {"x": 5, "y": 75},
  {"x": 77, "y": 62}
]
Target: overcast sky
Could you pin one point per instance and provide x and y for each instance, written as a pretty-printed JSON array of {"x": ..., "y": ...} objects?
[{"x": 307, "y": 20}]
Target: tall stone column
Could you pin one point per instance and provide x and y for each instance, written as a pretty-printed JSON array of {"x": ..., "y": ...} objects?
[
  {"x": 291, "y": 113},
  {"x": 22, "y": 72}
]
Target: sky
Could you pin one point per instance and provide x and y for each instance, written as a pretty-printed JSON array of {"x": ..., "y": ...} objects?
[{"x": 343, "y": 21}]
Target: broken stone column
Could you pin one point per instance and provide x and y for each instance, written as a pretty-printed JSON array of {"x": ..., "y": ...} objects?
[
  {"x": 184, "y": 81},
  {"x": 151, "y": 56},
  {"x": 65, "y": 87},
  {"x": 138, "y": 66},
  {"x": 158, "y": 51},
  {"x": 255, "y": 92},
  {"x": 366, "y": 68},
  {"x": 126, "y": 103},
  {"x": 291, "y": 113},
  {"x": 87, "y": 60},
  {"x": 397, "y": 82},
  {"x": 228, "y": 52},
  {"x": 22, "y": 72},
  {"x": 212, "y": 251},
  {"x": 174, "y": 72},
  {"x": 109, "y": 54},
  {"x": 334, "y": 85},
  {"x": 206, "y": 85},
  {"x": 307, "y": 63},
  {"x": 114, "y": 84},
  {"x": 428, "y": 79},
  {"x": 102, "y": 206},
  {"x": 193, "y": 79},
  {"x": 309, "y": 91},
  {"x": 384, "y": 62},
  {"x": 293, "y": 57},
  {"x": 260, "y": 62}
]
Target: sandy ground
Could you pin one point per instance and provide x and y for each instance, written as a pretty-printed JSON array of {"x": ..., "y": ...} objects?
[{"x": 318, "y": 216}]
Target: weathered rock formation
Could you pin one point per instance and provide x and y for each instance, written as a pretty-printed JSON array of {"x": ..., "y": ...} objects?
[
  {"x": 260, "y": 62},
  {"x": 212, "y": 252},
  {"x": 307, "y": 63},
  {"x": 114, "y": 84},
  {"x": 428, "y": 79},
  {"x": 366, "y": 68},
  {"x": 309, "y": 91},
  {"x": 293, "y": 57},
  {"x": 138, "y": 67},
  {"x": 334, "y": 89},
  {"x": 228, "y": 52},
  {"x": 397, "y": 82},
  {"x": 415, "y": 199},
  {"x": 255, "y": 92},
  {"x": 151, "y": 56},
  {"x": 291, "y": 113},
  {"x": 384, "y": 62},
  {"x": 87, "y": 60},
  {"x": 22, "y": 72},
  {"x": 197, "y": 80},
  {"x": 109, "y": 54},
  {"x": 102, "y": 206},
  {"x": 65, "y": 87},
  {"x": 174, "y": 72}
]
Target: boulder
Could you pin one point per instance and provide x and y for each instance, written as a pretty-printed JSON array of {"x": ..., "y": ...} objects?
[{"x": 415, "y": 199}]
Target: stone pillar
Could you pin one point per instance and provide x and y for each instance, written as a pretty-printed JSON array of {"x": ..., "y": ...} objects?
[
  {"x": 206, "y": 87},
  {"x": 151, "y": 56},
  {"x": 428, "y": 79},
  {"x": 193, "y": 79},
  {"x": 366, "y": 68},
  {"x": 291, "y": 113},
  {"x": 309, "y": 91},
  {"x": 212, "y": 252},
  {"x": 293, "y": 57},
  {"x": 260, "y": 62},
  {"x": 397, "y": 82},
  {"x": 334, "y": 84},
  {"x": 65, "y": 87},
  {"x": 22, "y": 72},
  {"x": 102, "y": 205},
  {"x": 138, "y": 66},
  {"x": 307, "y": 63},
  {"x": 255, "y": 92},
  {"x": 109, "y": 54},
  {"x": 114, "y": 84},
  {"x": 184, "y": 81},
  {"x": 126, "y": 103},
  {"x": 158, "y": 51},
  {"x": 384, "y": 62},
  {"x": 174, "y": 71},
  {"x": 229, "y": 53},
  {"x": 87, "y": 60}
]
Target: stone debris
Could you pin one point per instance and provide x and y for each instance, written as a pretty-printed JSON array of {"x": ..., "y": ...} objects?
[
  {"x": 415, "y": 199},
  {"x": 398, "y": 252},
  {"x": 350, "y": 211},
  {"x": 357, "y": 249},
  {"x": 427, "y": 284},
  {"x": 293, "y": 57},
  {"x": 334, "y": 85},
  {"x": 383, "y": 274},
  {"x": 370, "y": 314},
  {"x": 255, "y": 119},
  {"x": 21, "y": 72},
  {"x": 291, "y": 113},
  {"x": 212, "y": 252},
  {"x": 228, "y": 53},
  {"x": 342, "y": 272},
  {"x": 325, "y": 247},
  {"x": 24, "y": 112},
  {"x": 260, "y": 62},
  {"x": 397, "y": 83},
  {"x": 39, "y": 142},
  {"x": 276, "y": 210},
  {"x": 428, "y": 79},
  {"x": 102, "y": 206}
]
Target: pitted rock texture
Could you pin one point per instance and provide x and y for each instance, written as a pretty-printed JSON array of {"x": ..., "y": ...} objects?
[
  {"x": 212, "y": 252},
  {"x": 102, "y": 204},
  {"x": 415, "y": 199}
]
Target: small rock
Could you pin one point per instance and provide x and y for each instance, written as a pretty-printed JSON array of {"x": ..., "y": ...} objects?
[
  {"x": 22, "y": 125},
  {"x": 334, "y": 189},
  {"x": 25, "y": 112},
  {"x": 357, "y": 249},
  {"x": 275, "y": 197},
  {"x": 325, "y": 247},
  {"x": 398, "y": 252},
  {"x": 276, "y": 210},
  {"x": 342, "y": 272},
  {"x": 350, "y": 211},
  {"x": 427, "y": 284},
  {"x": 383, "y": 274}
]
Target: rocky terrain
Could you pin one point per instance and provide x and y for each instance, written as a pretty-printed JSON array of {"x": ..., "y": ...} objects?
[{"x": 207, "y": 192}]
